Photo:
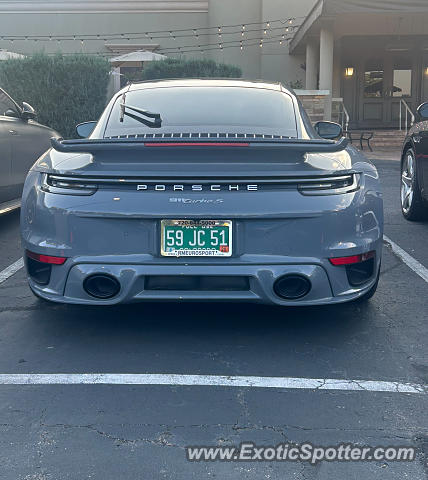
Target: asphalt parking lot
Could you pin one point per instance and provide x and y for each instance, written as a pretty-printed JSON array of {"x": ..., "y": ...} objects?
[{"x": 101, "y": 431}]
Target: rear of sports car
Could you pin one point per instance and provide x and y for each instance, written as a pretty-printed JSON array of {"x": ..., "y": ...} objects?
[{"x": 158, "y": 212}]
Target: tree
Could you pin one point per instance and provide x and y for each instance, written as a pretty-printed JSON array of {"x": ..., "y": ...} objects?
[{"x": 64, "y": 89}]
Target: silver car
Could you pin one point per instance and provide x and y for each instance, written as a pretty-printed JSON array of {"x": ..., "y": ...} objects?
[
  {"x": 203, "y": 190},
  {"x": 22, "y": 140}
]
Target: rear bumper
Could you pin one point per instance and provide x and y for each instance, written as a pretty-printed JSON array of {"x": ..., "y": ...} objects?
[{"x": 261, "y": 280}]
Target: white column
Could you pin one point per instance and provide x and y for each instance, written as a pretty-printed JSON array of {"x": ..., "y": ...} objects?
[
  {"x": 337, "y": 72},
  {"x": 116, "y": 79},
  {"x": 326, "y": 67},
  {"x": 311, "y": 65}
]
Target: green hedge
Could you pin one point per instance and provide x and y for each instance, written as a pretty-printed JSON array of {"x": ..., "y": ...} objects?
[
  {"x": 64, "y": 90},
  {"x": 180, "y": 68}
]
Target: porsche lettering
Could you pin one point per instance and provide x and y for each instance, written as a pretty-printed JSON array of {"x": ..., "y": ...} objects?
[{"x": 197, "y": 187}]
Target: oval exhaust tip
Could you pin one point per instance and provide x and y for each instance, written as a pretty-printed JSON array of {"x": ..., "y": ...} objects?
[
  {"x": 101, "y": 286},
  {"x": 292, "y": 287}
]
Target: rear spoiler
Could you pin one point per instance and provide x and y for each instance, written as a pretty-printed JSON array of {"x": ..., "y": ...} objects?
[{"x": 129, "y": 144}]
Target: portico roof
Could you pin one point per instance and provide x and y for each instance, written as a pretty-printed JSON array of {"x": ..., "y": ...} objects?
[
  {"x": 6, "y": 55},
  {"x": 139, "y": 56},
  {"x": 363, "y": 17}
]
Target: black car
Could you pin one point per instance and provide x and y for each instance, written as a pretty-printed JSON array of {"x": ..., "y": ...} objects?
[
  {"x": 414, "y": 169},
  {"x": 22, "y": 141}
]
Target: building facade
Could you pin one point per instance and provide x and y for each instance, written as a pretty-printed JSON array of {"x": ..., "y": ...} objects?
[
  {"x": 369, "y": 60},
  {"x": 373, "y": 56},
  {"x": 103, "y": 17}
]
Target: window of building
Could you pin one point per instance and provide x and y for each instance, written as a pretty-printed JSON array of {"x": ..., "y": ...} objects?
[
  {"x": 402, "y": 78},
  {"x": 373, "y": 81}
]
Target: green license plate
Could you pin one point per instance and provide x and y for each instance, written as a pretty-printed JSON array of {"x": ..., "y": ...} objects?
[{"x": 190, "y": 238}]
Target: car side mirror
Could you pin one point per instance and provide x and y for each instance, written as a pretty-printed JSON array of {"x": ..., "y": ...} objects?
[
  {"x": 423, "y": 111},
  {"x": 85, "y": 129},
  {"x": 329, "y": 130},
  {"x": 28, "y": 112}
]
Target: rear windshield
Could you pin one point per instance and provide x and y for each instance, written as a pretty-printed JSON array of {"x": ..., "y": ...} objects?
[{"x": 208, "y": 110}]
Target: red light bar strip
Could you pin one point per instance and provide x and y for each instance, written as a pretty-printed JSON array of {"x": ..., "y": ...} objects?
[
  {"x": 353, "y": 259},
  {"x": 196, "y": 144},
  {"x": 46, "y": 258}
]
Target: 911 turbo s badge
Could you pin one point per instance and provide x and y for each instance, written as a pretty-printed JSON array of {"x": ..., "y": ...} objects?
[
  {"x": 198, "y": 187},
  {"x": 196, "y": 201}
]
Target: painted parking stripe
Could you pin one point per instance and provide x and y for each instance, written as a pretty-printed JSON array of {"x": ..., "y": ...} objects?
[
  {"x": 411, "y": 262},
  {"x": 289, "y": 383},
  {"x": 7, "y": 207},
  {"x": 11, "y": 270}
]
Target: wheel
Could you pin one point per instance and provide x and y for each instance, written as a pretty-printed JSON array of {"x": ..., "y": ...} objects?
[
  {"x": 368, "y": 295},
  {"x": 412, "y": 203}
]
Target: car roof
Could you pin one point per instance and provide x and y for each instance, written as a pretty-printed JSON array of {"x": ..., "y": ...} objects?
[{"x": 203, "y": 82}]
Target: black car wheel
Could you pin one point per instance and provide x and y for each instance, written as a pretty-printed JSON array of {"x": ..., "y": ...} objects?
[{"x": 412, "y": 204}]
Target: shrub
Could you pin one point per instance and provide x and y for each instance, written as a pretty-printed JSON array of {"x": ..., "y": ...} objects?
[
  {"x": 295, "y": 85},
  {"x": 64, "y": 90},
  {"x": 180, "y": 68}
]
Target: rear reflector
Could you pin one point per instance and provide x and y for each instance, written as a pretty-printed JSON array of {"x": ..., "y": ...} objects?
[
  {"x": 353, "y": 259},
  {"x": 196, "y": 144},
  {"x": 46, "y": 258}
]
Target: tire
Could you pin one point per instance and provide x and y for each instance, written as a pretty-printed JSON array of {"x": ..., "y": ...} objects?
[{"x": 413, "y": 206}]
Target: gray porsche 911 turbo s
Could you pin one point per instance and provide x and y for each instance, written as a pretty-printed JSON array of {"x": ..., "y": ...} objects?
[{"x": 203, "y": 190}]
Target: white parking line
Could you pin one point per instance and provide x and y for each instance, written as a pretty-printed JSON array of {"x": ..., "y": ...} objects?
[
  {"x": 11, "y": 270},
  {"x": 7, "y": 207},
  {"x": 411, "y": 262},
  {"x": 289, "y": 383},
  {"x": 214, "y": 380}
]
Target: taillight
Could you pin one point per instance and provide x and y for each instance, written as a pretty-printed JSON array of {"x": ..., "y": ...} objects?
[
  {"x": 352, "y": 259},
  {"x": 197, "y": 144},
  {"x": 360, "y": 269},
  {"x": 67, "y": 185},
  {"x": 331, "y": 186},
  {"x": 39, "y": 267},
  {"x": 46, "y": 258}
]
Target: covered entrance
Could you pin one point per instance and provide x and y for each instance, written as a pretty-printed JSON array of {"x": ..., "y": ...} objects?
[
  {"x": 128, "y": 66},
  {"x": 381, "y": 79},
  {"x": 371, "y": 56}
]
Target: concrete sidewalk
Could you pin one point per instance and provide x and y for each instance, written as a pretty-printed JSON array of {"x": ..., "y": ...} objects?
[{"x": 383, "y": 155}]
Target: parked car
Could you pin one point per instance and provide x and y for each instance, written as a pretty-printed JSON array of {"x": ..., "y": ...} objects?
[
  {"x": 414, "y": 169},
  {"x": 207, "y": 190},
  {"x": 22, "y": 141}
]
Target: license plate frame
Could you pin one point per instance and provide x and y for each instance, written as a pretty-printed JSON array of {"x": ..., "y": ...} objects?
[{"x": 224, "y": 250}]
